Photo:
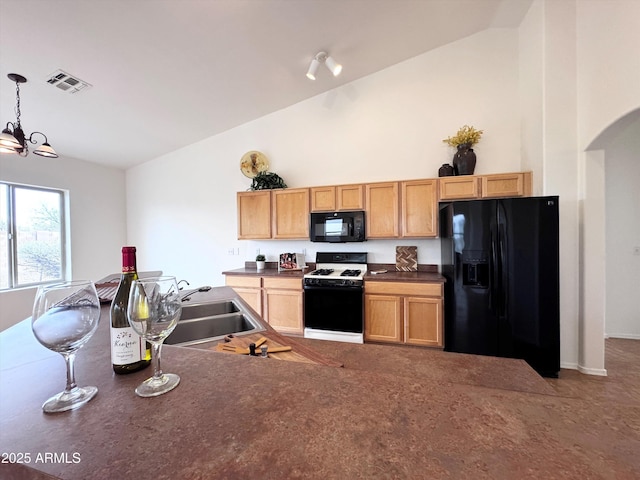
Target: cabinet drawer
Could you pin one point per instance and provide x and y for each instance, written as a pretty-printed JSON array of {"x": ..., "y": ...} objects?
[
  {"x": 282, "y": 283},
  {"x": 404, "y": 288},
  {"x": 240, "y": 281},
  {"x": 459, "y": 187}
]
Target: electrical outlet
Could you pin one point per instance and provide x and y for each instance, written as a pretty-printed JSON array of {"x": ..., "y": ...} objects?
[
  {"x": 636, "y": 250},
  {"x": 231, "y": 251}
]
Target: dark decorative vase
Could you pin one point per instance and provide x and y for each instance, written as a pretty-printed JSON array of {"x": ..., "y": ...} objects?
[
  {"x": 445, "y": 170},
  {"x": 464, "y": 161}
]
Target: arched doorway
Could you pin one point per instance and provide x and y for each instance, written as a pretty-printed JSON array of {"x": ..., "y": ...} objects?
[{"x": 610, "y": 232}]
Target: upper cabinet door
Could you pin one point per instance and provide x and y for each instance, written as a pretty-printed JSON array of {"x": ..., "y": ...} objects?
[
  {"x": 290, "y": 213},
  {"x": 337, "y": 198},
  {"x": 459, "y": 187},
  {"x": 350, "y": 197},
  {"x": 323, "y": 199},
  {"x": 254, "y": 215},
  {"x": 507, "y": 185},
  {"x": 420, "y": 208},
  {"x": 382, "y": 215}
]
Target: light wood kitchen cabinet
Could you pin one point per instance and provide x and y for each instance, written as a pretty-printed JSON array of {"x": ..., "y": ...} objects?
[
  {"x": 290, "y": 209},
  {"x": 254, "y": 215},
  {"x": 383, "y": 318},
  {"x": 283, "y": 304},
  {"x": 278, "y": 301},
  {"x": 419, "y": 208},
  {"x": 323, "y": 199},
  {"x": 459, "y": 187},
  {"x": 249, "y": 288},
  {"x": 337, "y": 198},
  {"x": 404, "y": 312},
  {"x": 350, "y": 197},
  {"x": 506, "y": 185},
  {"x": 464, "y": 187},
  {"x": 423, "y": 321},
  {"x": 382, "y": 210}
]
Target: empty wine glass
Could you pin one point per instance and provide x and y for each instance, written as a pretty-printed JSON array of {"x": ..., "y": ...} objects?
[
  {"x": 153, "y": 312},
  {"x": 65, "y": 316}
]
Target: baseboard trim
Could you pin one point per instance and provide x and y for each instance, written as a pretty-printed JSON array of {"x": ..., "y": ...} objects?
[
  {"x": 601, "y": 372},
  {"x": 626, "y": 336}
]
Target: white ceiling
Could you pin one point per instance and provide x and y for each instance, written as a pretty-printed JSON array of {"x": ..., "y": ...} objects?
[{"x": 168, "y": 73}]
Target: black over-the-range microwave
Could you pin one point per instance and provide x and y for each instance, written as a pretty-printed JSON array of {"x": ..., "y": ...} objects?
[{"x": 337, "y": 227}]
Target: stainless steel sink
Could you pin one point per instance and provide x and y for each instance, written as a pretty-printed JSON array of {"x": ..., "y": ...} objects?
[
  {"x": 200, "y": 310},
  {"x": 206, "y": 322}
]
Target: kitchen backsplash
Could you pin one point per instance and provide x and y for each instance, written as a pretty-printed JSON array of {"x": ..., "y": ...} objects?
[{"x": 379, "y": 251}]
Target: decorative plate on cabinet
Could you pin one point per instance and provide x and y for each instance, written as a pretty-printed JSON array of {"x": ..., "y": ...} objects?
[{"x": 252, "y": 163}]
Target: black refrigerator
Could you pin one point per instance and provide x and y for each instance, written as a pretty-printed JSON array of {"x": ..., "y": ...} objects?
[{"x": 502, "y": 296}]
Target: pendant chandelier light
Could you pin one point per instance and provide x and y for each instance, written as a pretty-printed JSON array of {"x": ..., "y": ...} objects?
[{"x": 13, "y": 139}]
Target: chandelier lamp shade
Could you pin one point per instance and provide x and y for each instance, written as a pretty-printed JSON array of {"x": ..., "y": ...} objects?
[
  {"x": 13, "y": 138},
  {"x": 322, "y": 57}
]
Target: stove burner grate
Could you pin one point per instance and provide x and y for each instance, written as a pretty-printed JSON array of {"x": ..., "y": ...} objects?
[
  {"x": 322, "y": 271},
  {"x": 350, "y": 273}
]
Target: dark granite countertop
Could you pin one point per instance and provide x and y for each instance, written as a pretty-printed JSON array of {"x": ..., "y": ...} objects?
[
  {"x": 425, "y": 274},
  {"x": 235, "y": 416}
]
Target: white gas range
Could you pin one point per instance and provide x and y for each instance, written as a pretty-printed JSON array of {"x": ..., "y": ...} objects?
[{"x": 333, "y": 297}]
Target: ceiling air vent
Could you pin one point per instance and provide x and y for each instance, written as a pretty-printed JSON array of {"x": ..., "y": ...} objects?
[{"x": 67, "y": 82}]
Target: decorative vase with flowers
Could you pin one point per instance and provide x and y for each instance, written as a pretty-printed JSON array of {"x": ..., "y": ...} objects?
[{"x": 464, "y": 160}]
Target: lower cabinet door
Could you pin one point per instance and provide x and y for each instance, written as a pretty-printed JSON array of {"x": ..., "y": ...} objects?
[
  {"x": 383, "y": 318},
  {"x": 253, "y": 296},
  {"x": 283, "y": 310},
  {"x": 423, "y": 321}
]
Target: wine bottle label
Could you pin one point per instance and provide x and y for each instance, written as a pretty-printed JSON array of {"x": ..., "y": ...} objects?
[{"x": 126, "y": 346}]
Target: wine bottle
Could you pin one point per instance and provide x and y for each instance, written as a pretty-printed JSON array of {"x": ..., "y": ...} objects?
[{"x": 129, "y": 352}]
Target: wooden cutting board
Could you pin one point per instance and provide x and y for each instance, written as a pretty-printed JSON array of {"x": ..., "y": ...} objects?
[{"x": 299, "y": 353}]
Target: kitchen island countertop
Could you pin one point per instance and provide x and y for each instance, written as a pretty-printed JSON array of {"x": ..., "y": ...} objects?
[{"x": 235, "y": 416}]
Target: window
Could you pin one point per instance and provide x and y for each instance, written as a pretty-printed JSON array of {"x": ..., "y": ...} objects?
[{"x": 32, "y": 235}]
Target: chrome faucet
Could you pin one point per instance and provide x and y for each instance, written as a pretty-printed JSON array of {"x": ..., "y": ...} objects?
[{"x": 187, "y": 297}]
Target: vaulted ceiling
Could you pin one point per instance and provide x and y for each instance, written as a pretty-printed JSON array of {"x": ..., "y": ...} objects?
[{"x": 168, "y": 73}]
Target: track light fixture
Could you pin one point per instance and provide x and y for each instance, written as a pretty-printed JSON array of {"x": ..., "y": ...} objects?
[
  {"x": 322, "y": 57},
  {"x": 13, "y": 139}
]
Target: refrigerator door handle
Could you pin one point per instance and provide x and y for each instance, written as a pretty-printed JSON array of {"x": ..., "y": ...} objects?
[
  {"x": 503, "y": 267},
  {"x": 502, "y": 308},
  {"x": 493, "y": 271}
]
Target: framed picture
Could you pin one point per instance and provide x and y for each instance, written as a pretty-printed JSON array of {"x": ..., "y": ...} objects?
[{"x": 291, "y": 261}]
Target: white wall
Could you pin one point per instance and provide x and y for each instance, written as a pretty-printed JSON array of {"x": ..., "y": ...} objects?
[
  {"x": 622, "y": 178},
  {"x": 548, "y": 111},
  {"x": 579, "y": 74},
  {"x": 531, "y": 44},
  {"x": 97, "y": 215},
  {"x": 608, "y": 40},
  {"x": 181, "y": 208},
  {"x": 608, "y": 64}
]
